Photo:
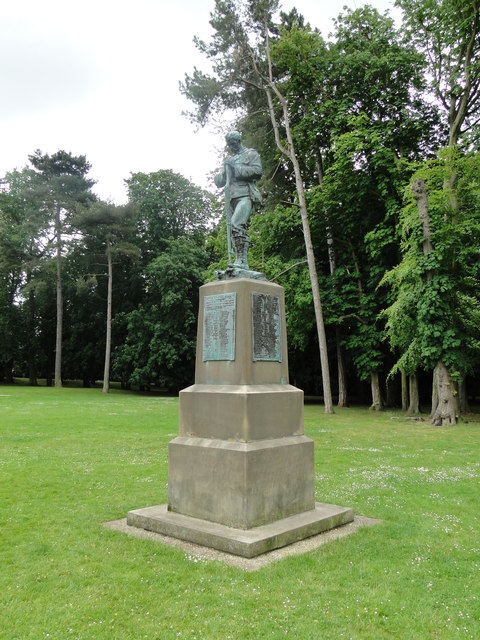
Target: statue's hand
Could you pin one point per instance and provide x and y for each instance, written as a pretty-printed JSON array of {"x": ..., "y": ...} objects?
[{"x": 220, "y": 179}]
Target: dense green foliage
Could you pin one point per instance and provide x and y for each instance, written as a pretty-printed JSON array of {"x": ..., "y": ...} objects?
[
  {"x": 362, "y": 114},
  {"x": 74, "y": 459},
  {"x": 152, "y": 252},
  {"x": 435, "y": 315},
  {"x": 367, "y": 112}
]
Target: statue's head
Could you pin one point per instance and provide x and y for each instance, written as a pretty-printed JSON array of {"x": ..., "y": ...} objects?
[{"x": 234, "y": 140}]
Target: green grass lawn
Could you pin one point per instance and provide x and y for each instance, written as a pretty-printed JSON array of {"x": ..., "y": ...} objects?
[{"x": 72, "y": 459}]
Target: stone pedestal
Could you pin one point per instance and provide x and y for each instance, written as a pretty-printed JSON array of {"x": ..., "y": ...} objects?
[{"x": 241, "y": 471}]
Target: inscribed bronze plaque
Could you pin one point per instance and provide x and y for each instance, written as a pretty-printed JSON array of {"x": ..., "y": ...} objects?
[
  {"x": 219, "y": 312},
  {"x": 266, "y": 328}
]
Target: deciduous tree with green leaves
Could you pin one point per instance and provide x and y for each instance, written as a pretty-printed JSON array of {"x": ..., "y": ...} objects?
[
  {"x": 161, "y": 338},
  {"x": 23, "y": 247},
  {"x": 111, "y": 227},
  {"x": 172, "y": 218},
  {"x": 447, "y": 31},
  {"x": 244, "y": 73},
  {"x": 169, "y": 206},
  {"x": 370, "y": 123},
  {"x": 62, "y": 184},
  {"x": 434, "y": 320}
]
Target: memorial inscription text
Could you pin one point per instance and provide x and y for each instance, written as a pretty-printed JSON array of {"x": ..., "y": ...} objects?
[
  {"x": 266, "y": 328},
  {"x": 219, "y": 312}
]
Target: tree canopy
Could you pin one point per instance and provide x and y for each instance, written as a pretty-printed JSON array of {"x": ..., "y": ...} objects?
[{"x": 370, "y": 146}]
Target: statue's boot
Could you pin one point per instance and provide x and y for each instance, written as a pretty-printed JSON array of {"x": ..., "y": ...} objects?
[{"x": 241, "y": 241}]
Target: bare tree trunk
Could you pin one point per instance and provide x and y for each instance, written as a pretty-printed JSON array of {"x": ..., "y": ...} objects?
[
  {"x": 32, "y": 369},
  {"x": 463, "y": 396},
  {"x": 341, "y": 373},
  {"x": 445, "y": 411},
  {"x": 322, "y": 338},
  {"x": 377, "y": 404},
  {"x": 58, "y": 343},
  {"x": 434, "y": 393},
  {"x": 289, "y": 152},
  {"x": 341, "y": 369},
  {"x": 420, "y": 192},
  {"x": 414, "y": 405},
  {"x": 404, "y": 390},
  {"x": 108, "y": 342}
]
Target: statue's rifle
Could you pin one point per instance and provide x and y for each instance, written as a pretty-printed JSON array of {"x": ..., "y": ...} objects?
[{"x": 228, "y": 214}]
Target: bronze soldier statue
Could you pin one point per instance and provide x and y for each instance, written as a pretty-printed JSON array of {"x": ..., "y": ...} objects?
[{"x": 238, "y": 176}]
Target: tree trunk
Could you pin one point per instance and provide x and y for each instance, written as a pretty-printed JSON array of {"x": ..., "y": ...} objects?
[
  {"x": 464, "y": 95},
  {"x": 32, "y": 369},
  {"x": 108, "y": 342},
  {"x": 444, "y": 412},
  {"x": 444, "y": 402},
  {"x": 342, "y": 374},
  {"x": 58, "y": 342},
  {"x": 391, "y": 390},
  {"x": 414, "y": 405},
  {"x": 376, "y": 395},
  {"x": 290, "y": 153},
  {"x": 374, "y": 384},
  {"x": 463, "y": 396},
  {"x": 8, "y": 371},
  {"x": 404, "y": 390},
  {"x": 341, "y": 370},
  {"x": 322, "y": 338},
  {"x": 420, "y": 192}
]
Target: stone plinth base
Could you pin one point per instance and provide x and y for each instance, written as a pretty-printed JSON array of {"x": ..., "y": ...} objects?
[
  {"x": 241, "y": 473},
  {"x": 240, "y": 484},
  {"x": 246, "y": 543},
  {"x": 244, "y": 413}
]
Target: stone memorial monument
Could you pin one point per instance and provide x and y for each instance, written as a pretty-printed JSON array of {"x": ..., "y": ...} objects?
[{"x": 241, "y": 471}]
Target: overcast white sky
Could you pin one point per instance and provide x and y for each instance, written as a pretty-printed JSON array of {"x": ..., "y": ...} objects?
[{"x": 100, "y": 78}]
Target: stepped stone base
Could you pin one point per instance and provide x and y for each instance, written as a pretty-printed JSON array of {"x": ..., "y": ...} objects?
[
  {"x": 241, "y": 484},
  {"x": 247, "y": 543},
  {"x": 241, "y": 475},
  {"x": 241, "y": 412}
]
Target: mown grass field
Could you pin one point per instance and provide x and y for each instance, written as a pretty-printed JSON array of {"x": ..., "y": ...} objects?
[{"x": 73, "y": 459}]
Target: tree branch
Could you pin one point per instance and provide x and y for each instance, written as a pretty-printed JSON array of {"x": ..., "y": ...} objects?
[
  {"x": 289, "y": 269},
  {"x": 466, "y": 96}
]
